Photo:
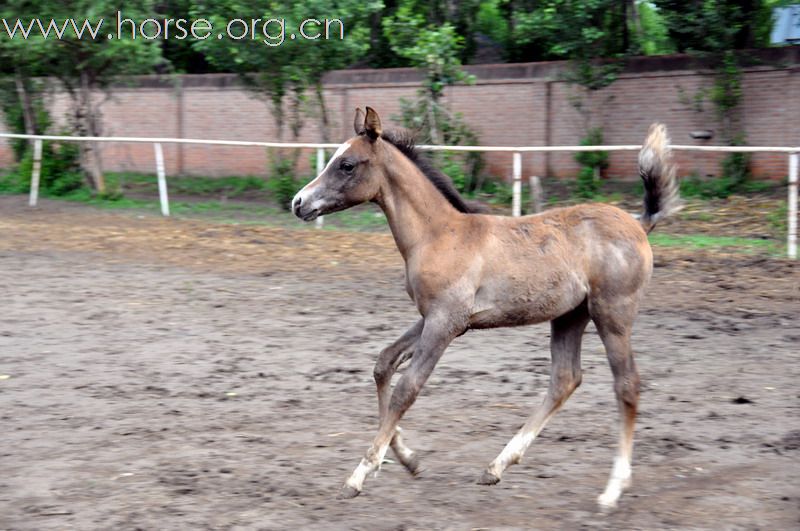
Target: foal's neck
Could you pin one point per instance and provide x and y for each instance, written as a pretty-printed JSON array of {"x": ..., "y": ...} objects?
[{"x": 416, "y": 211}]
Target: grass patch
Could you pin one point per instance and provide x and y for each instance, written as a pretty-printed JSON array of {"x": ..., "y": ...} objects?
[
  {"x": 364, "y": 218},
  {"x": 232, "y": 186},
  {"x": 703, "y": 241}
]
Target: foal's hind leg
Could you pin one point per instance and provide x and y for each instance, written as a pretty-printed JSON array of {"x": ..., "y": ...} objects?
[
  {"x": 389, "y": 360},
  {"x": 614, "y": 323},
  {"x": 565, "y": 377}
]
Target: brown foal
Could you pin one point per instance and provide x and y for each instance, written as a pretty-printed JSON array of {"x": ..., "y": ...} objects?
[{"x": 467, "y": 270}]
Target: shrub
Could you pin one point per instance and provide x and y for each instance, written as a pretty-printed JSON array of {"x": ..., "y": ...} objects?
[
  {"x": 282, "y": 182},
  {"x": 592, "y": 162},
  {"x": 60, "y": 172}
]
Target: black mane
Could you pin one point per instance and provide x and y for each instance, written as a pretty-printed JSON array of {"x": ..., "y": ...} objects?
[{"x": 404, "y": 141}]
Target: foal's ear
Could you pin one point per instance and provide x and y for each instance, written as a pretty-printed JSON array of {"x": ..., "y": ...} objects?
[
  {"x": 358, "y": 121},
  {"x": 372, "y": 124}
]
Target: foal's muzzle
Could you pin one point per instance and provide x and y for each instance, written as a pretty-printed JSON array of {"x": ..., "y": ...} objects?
[{"x": 302, "y": 209}]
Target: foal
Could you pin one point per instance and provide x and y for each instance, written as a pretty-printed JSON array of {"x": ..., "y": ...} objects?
[{"x": 466, "y": 270}]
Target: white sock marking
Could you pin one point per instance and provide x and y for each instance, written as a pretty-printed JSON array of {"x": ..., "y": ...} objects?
[{"x": 620, "y": 480}]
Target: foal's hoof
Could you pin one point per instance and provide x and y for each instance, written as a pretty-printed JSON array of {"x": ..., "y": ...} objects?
[
  {"x": 347, "y": 493},
  {"x": 413, "y": 466},
  {"x": 488, "y": 479},
  {"x": 607, "y": 503},
  {"x": 606, "y": 507}
]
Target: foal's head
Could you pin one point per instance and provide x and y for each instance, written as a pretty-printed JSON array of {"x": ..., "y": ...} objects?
[{"x": 353, "y": 175}]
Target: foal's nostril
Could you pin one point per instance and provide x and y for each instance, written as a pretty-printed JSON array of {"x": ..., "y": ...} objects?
[{"x": 296, "y": 202}]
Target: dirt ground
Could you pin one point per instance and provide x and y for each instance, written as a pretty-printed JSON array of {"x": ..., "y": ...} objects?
[{"x": 173, "y": 374}]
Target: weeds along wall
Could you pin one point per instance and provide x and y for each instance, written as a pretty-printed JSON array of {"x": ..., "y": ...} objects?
[{"x": 509, "y": 104}]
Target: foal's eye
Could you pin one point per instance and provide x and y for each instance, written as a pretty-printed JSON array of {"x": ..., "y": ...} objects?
[{"x": 347, "y": 166}]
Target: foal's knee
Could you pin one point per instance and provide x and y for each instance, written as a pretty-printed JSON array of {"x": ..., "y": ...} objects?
[
  {"x": 627, "y": 387},
  {"x": 383, "y": 370}
]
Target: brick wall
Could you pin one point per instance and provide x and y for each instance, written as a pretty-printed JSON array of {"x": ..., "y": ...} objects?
[{"x": 520, "y": 104}]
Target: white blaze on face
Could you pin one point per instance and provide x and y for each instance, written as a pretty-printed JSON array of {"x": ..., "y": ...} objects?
[
  {"x": 339, "y": 152},
  {"x": 304, "y": 194}
]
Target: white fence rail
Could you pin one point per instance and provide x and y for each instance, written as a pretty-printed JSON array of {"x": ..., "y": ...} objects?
[{"x": 793, "y": 154}]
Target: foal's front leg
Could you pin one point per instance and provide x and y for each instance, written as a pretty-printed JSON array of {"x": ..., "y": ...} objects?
[
  {"x": 389, "y": 360},
  {"x": 436, "y": 336}
]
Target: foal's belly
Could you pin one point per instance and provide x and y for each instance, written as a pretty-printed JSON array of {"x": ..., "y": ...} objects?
[{"x": 511, "y": 303}]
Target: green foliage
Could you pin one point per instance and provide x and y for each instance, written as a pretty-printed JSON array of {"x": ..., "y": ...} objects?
[
  {"x": 736, "y": 169},
  {"x": 713, "y": 29},
  {"x": 654, "y": 36},
  {"x": 571, "y": 29},
  {"x": 777, "y": 219},
  {"x": 491, "y": 21},
  {"x": 230, "y": 186},
  {"x": 593, "y": 159},
  {"x": 70, "y": 57},
  {"x": 461, "y": 15},
  {"x": 500, "y": 192},
  {"x": 60, "y": 172},
  {"x": 275, "y": 71},
  {"x": 282, "y": 181},
  {"x": 11, "y": 109},
  {"x": 703, "y": 241},
  {"x": 695, "y": 186},
  {"x": 592, "y": 163},
  {"x": 726, "y": 92},
  {"x": 422, "y": 116},
  {"x": 82, "y": 60},
  {"x": 587, "y": 183},
  {"x": 734, "y": 180},
  {"x": 714, "y": 26},
  {"x": 435, "y": 51}
]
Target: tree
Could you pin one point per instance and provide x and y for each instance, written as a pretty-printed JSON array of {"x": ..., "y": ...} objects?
[
  {"x": 714, "y": 30},
  {"x": 84, "y": 59},
  {"x": 286, "y": 68},
  {"x": 460, "y": 15},
  {"x": 594, "y": 35},
  {"x": 283, "y": 68},
  {"x": 716, "y": 25},
  {"x": 434, "y": 49}
]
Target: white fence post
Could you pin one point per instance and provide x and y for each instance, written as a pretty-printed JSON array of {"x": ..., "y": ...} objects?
[
  {"x": 162, "y": 179},
  {"x": 320, "y": 166},
  {"x": 791, "y": 242},
  {"x": 516, "y": 198},
  {"x": 37, "y": 171}
]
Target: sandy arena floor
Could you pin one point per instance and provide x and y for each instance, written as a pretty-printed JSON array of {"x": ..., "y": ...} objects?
[{"x": 167, "y": 374}]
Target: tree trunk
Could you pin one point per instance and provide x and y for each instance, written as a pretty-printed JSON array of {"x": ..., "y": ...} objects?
[
  {"x": 626, "y": 41},
  {"x": 86, "y": 121},
  {"x": 634, "y": 19},
  {"x": 323, "y": 113},
  {"x": 432, "y": 125},
  {"x": 28, "y": 115},
  {"x": 296, "y": 124}
]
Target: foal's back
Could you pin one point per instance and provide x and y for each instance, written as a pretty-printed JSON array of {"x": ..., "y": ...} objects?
[{"x": 536, "y": 268}]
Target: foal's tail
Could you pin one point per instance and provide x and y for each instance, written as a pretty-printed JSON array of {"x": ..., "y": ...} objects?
[{"x": 658, "y": 172}]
